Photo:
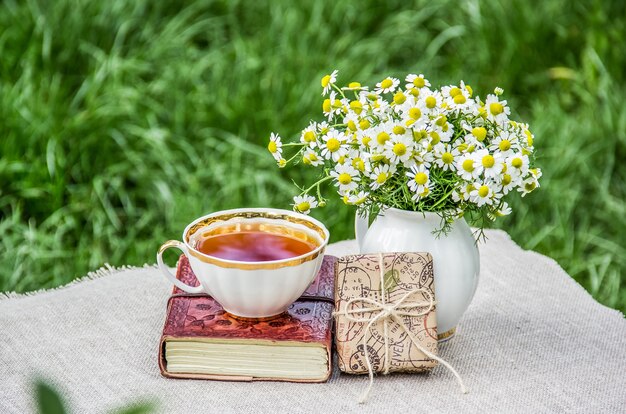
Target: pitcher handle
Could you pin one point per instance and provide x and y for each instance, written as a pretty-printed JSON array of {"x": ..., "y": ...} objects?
[
  {"x": 361, "y": 225},
  {"x": 166, "y": 271}
]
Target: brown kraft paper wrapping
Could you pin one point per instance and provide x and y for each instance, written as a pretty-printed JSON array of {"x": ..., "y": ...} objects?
[{"x": 359, "y": 276}]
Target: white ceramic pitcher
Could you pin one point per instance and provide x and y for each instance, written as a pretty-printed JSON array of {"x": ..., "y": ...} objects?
[{"x": 456, "y": 262}]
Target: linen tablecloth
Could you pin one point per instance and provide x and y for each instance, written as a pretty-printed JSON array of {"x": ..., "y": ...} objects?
[{"x": 533, "y": 340}]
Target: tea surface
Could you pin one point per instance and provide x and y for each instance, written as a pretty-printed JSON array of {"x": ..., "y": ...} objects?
[{"x": 253, "y": 246}]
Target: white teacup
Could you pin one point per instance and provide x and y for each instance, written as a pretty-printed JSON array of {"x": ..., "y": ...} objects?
[{"x": 251, "y": 289}]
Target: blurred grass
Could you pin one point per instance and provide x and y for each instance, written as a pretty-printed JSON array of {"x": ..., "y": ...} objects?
[{"x": 122, "y": 121}]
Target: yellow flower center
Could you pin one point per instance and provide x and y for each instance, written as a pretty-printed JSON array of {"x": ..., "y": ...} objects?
[
  {"x": 333, "y": 144},
  {"x": 462, "y": 147},
  {"x": 426, "y": 191},
  {"x": 483, "y": 191},
  {"x": 469, "y": 89},
  {"x": 282, "y": 162},
  {"x": 399, "y": 98},
  {"x": 506, "y": 179},
  {"x": 358, "y": 164},
  {"x": 488, "y": 161},
  {"x": 419, "y": 82},
  {"x": 468, "y": 165},
  {"x": 504, "y": 145},
  {"x": 415, "y": 113},
  {"x": 366, "y": 141},
  {"x": 272, "y": 147},
  {"x": 325, "y": 81},
  {"x": 351, "y": 125},
  {"x": 455, "y": 92},
  {"x": 399, "y": 149},
  {"x": 337, "y": 104},
  {"x": 480, "y": 133},
  {"x": 435, "y": 138},
  {"x": 415, "y": 92},
  {"x": 303, "y": 206},
  {"x": 326, "y": 105},
  {"x": 356, "y": 106},
  {"x": 447, "y": 158},
  {"x": 459, "y": 99},
  {"x": 382, "y": 177},
  {"x": 344, "y": 178},
  {"x": 421, "y": 178},
  {"x": 364, "y": 124},
  {"x": 530, "y": 186},
  {"x": 387, "y": 83},
  {"x": 379, "y": 157},
  {"x": 382, "y": 138},
  {"x": 431, "y": 102},
  {"x": 517, "y": 162},
  {"x": 398, "y": 130},
  {"x": 354, "y": 85},
  {"x": 341, "y": 160},
  {"x": 496, "y": 108},
  {"x": 529, "y": 137},
  {"x": 441, "y": 121},
  {"x": 309, "y": 136}
]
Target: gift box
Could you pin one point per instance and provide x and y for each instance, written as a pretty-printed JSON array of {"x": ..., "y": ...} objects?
[{"x": 385, "y": 313}]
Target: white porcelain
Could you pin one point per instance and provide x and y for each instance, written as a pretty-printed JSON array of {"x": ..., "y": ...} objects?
[
  {"x": 250, "y": 289},
  {"x": 456, "y": 262}
]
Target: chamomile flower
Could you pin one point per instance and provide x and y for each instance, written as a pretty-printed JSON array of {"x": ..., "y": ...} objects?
[
  {"x": 506, "y": 142},
  {"x": 387, "y": 85},
  {"x": 517, "y": 164},
  {"x": 419, "y": 180},
  {"x": 482, "y": 194},
  {"x": 332, "y": 145},
  {"x": 507, "y": 182},
  {"x": 380, "y": 175},
  {"x": 308, "y": 136},
  {"x": 529, "y": 184},
  {"x": 445, "y": 156},
  {"x": 358, "y": 159},
  {"x": 366, "y": 138},
  {"x": 497, "y": 111},
  {"x": 332, "y": 106},
  {"x": 504, "y": 209},
  {"x": 468, "y": 167},
  {"x": 462, "y": 193},
  {"x": 492, "y": 164},
  {"x": 430, "y": 102},
  {"x": 328, "y": 80},
  {"x": 275, "y": 146},
  {"x": 399, "y": 148},
  {"x": 310, "y": 157},
  {"x": 423, "y": 157},
  {"x": 356, "y": 199},
  {"x": 416, "y": 81},
  {"x": 304, "y": 203},
  {"x": 455, "y": 96},
  {"x": 346, "y": 177}
]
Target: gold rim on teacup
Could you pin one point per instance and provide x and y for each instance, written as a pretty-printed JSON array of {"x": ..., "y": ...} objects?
[{"x": 223, "y": 217}]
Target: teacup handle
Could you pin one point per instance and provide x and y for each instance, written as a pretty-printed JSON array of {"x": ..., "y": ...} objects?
[{"x": 166, "y": 271}]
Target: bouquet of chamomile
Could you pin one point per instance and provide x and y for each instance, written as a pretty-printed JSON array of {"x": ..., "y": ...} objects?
[{"x": 414, "y": 147}]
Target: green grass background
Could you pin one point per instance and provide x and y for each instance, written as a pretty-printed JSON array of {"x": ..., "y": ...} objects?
[{"x": 121, "y": 121}]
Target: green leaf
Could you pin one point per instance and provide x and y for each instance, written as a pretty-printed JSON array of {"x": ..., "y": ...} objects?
[{"x": 48, "y": 399}]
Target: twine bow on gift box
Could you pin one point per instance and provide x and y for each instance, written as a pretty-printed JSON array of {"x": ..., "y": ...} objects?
[{"x": 390, "y": 311}]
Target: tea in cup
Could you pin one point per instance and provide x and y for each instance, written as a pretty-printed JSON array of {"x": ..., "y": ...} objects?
[{"x": 254, "y": 261}]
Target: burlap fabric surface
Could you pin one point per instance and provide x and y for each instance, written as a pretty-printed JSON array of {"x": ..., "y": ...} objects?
[{"x": 532, "y": 341}]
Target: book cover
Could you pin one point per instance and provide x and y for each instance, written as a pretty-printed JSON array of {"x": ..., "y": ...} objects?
[{"x": 198, "y": 332}]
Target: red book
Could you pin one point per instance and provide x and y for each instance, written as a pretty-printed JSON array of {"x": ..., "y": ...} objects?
[{"x": 201, "y": 340}]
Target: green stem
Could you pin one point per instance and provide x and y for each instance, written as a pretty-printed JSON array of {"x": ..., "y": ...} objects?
[{"x": 317, "y": 184}]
